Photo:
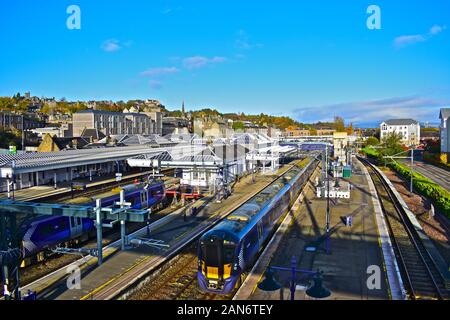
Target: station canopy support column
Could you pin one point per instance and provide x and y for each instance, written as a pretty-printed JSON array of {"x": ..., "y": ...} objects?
[
  {"x": 10, "y": 255},
  {"x": 10, "y": 237}
]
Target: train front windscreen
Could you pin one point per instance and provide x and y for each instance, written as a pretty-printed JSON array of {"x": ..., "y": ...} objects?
[{"x": 217, "y": 260}]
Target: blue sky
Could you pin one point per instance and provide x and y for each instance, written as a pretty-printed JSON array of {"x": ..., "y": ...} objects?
[{"x": 307, "y": 59}]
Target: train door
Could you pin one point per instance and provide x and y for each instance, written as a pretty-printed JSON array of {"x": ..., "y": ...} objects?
[
  {"x": 76, "y": 227},
  {"x": 260, "y": 232},
  {"x": 144, "y": 199}
]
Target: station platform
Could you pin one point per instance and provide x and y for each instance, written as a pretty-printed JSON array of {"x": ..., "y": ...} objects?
[
  {"x": 120, "y": 268},
  {"x": 38, "y": 192},
  {"x": 352, "y": 249}
]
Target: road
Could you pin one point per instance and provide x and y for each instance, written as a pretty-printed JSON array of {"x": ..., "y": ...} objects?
[{"x": 434, "y": 173}]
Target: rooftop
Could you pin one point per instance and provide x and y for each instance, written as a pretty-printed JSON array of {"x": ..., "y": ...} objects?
[
  {"x": 445, "y": 113},
  {"x": 400, "y": 122}
]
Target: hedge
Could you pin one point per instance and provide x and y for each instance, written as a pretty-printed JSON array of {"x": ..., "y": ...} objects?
[{"x": 437, "y": 194}]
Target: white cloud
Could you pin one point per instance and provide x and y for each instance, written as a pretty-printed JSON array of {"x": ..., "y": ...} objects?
[
  {"x": 155, "y": 84},
  {"x": 403, "y": 41},
  {"x": 154, "y": 72},
  {"x": 420, "y": 108},
  {"x": 111, "y": 45},
  {"x": 197, "y": 62},
  {"x": 243, "y": 41},
  {"x": 437, "y": 29}
]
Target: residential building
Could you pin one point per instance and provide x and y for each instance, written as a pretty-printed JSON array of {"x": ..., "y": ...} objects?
[
  {"x": 175, "y": 125},
  {"x": 53, "y": 143},
  {"x": 256, "y": 128},
  {"x": 63, "y": 131},
  {"x": 19, "y": 121},
  {"x": 111, "y": 123},
  {"x": 105, "y": 121},
  {"x": 325, "y": 131},
  {"x": 210, "y": 127},
  {"x": 409, "y": 130},
  {"x": 157, "y": 116},
  {"x": 138, "y": 123},
  {"x": 296, "y": 132},
  {"x": 445, "y": 133}
]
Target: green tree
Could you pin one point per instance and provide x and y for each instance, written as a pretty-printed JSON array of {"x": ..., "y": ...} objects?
[
  {"x": 238, "y": 125},
  {"x": 372, "y": 141},
  {"x": 339, "y": 124},
  {"x": 392, "y": 144}
]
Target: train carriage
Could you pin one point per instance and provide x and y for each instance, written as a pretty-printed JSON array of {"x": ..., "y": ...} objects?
[
  {"x": 44, "y": 233},
  {"x": 231, "y": 248}
]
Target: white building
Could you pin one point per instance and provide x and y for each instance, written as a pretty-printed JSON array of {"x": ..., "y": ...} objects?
[
  {"x": 409, "y": 130},
  {"x": 445, "y": 131},
  {"x": 340, "y": 144}
]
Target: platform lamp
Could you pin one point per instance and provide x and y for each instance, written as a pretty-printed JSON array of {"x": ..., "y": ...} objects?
[
  {"x": 269, "y": 283},
  {"x": 317, "y": 290}
]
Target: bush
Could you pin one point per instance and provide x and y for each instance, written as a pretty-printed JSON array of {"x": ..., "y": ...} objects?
[
  {"x": 437, "y": 194},
  {"x": 424, "y": 186},
  {"x": 436, "y": 159}
]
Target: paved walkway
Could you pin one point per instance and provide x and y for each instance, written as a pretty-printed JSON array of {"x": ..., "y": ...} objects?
[{"x": 353, "y": 249}]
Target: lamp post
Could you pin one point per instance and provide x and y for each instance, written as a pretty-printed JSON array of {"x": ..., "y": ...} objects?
[
  {"x": 328, "y": 218},
  {"x": 317, "y": 290}
]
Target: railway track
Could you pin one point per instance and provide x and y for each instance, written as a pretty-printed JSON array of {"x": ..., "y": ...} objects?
[
  {"x": 177, "y": 279},
  {"x": 126, "y": 280},
  {"x": 54, "y": 262},
  {"x": 96, "y": 189},
  {"x": 421, "y": 276}
]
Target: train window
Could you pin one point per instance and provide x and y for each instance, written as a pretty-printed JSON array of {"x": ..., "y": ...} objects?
[
  {"x": 228, "y": 253},
  {"x": 72, "y": 221},
  {"x": 143, "y": 197},
  {"x": 211, "y": 255},
  {"x": 49, "y": 228}
]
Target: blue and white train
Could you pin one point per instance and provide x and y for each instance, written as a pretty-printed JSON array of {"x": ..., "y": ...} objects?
[
  {"x": 228, "y": 250},
  {"x": 45, "y": 232}
]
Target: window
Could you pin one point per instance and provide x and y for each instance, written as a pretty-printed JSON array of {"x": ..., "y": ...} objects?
[
  {"x": 49, "y": 228},
  {"x": 228, "y": 253},
  {"x": 211, "y": 254}
]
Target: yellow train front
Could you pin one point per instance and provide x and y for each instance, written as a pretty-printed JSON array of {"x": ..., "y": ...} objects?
[
  {"x": 231, "y": 247},
  {"x": 219, "y": 269}
]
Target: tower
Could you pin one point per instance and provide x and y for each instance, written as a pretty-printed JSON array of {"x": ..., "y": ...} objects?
[{"x": 182, "y": 108}]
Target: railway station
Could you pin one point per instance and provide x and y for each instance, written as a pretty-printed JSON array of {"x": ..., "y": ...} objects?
[
  {"x": 133, "y": 215},
  {"x": 343, "y": 258}
]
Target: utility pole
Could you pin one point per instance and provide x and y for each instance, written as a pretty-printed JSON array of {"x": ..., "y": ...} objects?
[
  {"x": 23, "y": 134},
  {"x": 327, "y": 240},
  {"x": 412, "y": 170}
]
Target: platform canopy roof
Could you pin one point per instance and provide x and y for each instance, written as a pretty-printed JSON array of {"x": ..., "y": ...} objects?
[{"x": 47, "y": 209}]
